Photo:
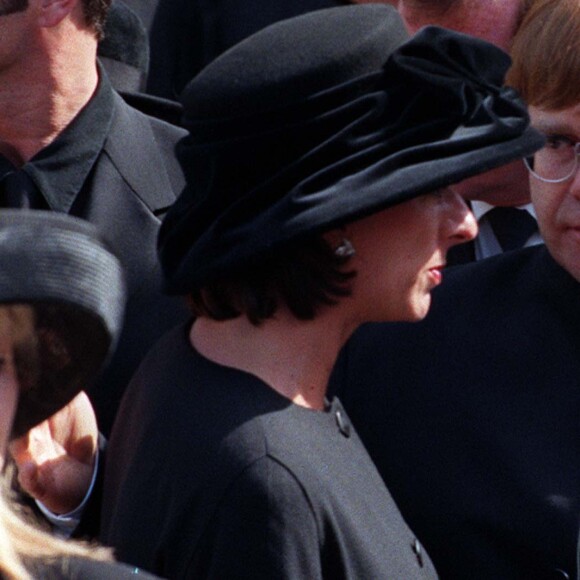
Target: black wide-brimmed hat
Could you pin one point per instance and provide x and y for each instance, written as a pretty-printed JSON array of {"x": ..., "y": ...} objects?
[
  {"x": 323, "y": 119},
  {"x": 59, "y": 266}
]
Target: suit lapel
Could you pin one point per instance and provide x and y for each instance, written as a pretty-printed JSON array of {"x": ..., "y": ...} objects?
[{"x": 131, "y": 138}]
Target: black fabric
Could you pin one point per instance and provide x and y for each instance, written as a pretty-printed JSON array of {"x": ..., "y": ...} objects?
[
  {"x": 461, "y": 254},
  {"x": 125, "y": 38},
  {"x": 225, "y": 478},
  {"x": 17, "y": 190},
  {"x": 116, "y": 168},
  {"x": 284, "y": 143},
  {"x": 123, "y": 77},
  {"x": 472, "y": 417},
  {"x": 134, "y": 182},
  {"x": 163, "y": 109},
  {"x": 517, "y": 225},
  {"x": 61, "y": 170},
  {"x": 86, "y": 569},
  {"x": 512, "y": 226},
  {"x": 124, "y": 49}
]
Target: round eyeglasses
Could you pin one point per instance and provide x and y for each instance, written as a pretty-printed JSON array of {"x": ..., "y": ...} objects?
[{"x": 556, "y": 161}]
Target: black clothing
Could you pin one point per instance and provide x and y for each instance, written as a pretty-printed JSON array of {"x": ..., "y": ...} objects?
[
  {"x": 225, "y": 478},
  {"x": 516, "y": 227},
  {"x": 512, "y": 226},
  {"x": 17, "y": 190},
  {"x": 85, "y": 569},
  {"x": 461, "y": 254},
  {"x": 116, "y": 168},
  {"x": 158, "y": 107},
  {"x": 473, "y": 417}
]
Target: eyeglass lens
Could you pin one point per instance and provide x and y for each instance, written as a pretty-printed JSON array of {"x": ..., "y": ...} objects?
[{"x": 556, "y": 161}]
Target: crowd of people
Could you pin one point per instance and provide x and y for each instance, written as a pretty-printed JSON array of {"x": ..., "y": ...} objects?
[{"x": 290, "y": 290}]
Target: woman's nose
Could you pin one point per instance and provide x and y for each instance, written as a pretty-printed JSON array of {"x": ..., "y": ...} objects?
[{"x": 462, "y": 225}]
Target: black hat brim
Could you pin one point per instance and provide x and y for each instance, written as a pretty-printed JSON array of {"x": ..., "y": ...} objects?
[{"x": 60, "y": 267}]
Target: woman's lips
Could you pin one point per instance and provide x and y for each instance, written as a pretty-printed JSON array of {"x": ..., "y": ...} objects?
[{"x": 436, "y": 274}]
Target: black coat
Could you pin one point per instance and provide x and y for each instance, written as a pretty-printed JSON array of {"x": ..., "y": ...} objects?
[
  {"x": 210, "y": 473},
  {"x": 134, "y": 181},
  {"x": 473, "y": 417}
]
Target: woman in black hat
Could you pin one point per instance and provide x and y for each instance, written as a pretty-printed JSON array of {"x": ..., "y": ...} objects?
[
  {"x": 318, "y": 199},
  {"x": 61, "y": 304}
]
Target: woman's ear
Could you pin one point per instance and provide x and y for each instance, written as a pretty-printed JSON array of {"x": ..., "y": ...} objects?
[{"x": 338, "y": 239}]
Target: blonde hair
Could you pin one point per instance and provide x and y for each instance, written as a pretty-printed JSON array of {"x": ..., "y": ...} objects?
[
  {"x": 20, "y": 541},
  {"x": 546, "y": 54}
]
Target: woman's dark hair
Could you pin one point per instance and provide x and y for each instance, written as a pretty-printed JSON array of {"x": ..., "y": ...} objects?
[{"x": 303, "y": 276}]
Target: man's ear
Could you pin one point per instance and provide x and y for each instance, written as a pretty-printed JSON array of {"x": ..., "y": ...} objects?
[{"x": 53, "y": 12}]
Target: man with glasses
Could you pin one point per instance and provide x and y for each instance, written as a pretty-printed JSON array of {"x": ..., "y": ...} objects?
[
  {"x": 473, "y": 416},
  {"x": 555, "y": 185}
]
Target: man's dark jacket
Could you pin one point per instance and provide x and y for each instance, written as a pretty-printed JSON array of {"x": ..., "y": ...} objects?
[
  {"x": 473, "y": 417},
  {"x": 134, "y": 181},
  {"x": 116, "y": 168}
]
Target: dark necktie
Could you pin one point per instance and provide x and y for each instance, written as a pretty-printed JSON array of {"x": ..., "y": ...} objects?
[
  {"x": 17, "y": 190},
  {"x": 512, "y": 227}
]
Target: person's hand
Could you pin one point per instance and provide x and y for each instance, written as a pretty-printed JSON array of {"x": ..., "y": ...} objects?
[{"x": 55, "y": 459}]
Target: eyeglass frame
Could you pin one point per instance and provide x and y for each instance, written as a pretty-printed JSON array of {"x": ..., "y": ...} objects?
[{"x": 528, "y": 162}]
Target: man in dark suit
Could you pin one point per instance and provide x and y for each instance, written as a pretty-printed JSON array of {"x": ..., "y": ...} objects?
[
  {"x": 473, "y": 417},
  {"x": 69, "y": 143}
]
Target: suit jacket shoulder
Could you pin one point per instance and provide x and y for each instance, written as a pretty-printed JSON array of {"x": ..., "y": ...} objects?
[
  {"x": 142, "y": 148},
  {"x": 471, "y": 417}
]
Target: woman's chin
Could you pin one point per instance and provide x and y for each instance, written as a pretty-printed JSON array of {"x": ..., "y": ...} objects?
[{"x": 420, "y": 309}]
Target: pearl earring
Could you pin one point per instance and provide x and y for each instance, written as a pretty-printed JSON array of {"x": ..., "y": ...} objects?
[{"x": 346, "y": 249}]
